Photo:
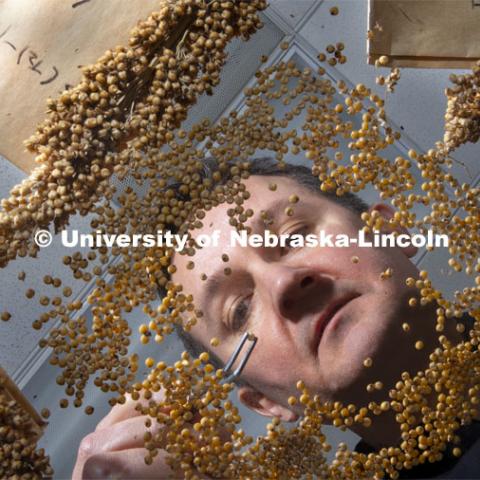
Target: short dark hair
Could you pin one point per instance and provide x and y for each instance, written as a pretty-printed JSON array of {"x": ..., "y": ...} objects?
[
  {"x": 265, "y": 166},
  {"x": 268, "y": 166}
]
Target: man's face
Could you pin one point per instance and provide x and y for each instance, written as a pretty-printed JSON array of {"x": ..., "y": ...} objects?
[{"x": 289, "y": 298}]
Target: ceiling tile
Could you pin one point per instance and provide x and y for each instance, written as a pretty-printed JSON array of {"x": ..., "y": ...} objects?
[{"x": 292, "y": 11}]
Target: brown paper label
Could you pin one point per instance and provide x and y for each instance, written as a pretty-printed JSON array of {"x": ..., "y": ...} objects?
[
  {"x": 42, "y": 45},
  {"x": 425, "y": 33}
]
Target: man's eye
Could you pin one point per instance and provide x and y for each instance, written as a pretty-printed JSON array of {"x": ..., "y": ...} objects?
[
  {"x": 288, "y": 247},
  {"x": 240, "y": 312}
]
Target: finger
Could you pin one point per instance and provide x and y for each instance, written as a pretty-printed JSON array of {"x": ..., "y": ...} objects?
[
  {"x": 119, "y": 413},
  {"x": 77, "y": 469},
  {"x": 127, "y": 464},
  {"x": 129, "y": 409},
  {"x": 122, "y": 436}
]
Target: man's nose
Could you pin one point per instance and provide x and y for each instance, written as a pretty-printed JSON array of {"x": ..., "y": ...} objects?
[{"x": 296, "y": 291}]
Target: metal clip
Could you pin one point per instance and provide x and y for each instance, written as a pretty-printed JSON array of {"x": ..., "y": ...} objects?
[{"x": 229, "y": 375}]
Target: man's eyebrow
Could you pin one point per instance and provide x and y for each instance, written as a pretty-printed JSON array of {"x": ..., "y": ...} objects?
[
  {"x": 213, "y": 284},
  {"x": 211, "y": 287},
  {"x": 274, "y": 211}
]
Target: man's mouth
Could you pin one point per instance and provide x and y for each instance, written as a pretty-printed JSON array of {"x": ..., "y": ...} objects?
[{"x": 327, "y": 315}]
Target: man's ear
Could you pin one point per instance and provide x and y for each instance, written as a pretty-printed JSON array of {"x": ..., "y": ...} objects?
[
  {"x": 387, "y": 212},
  {"x": 258, "y": 402}
]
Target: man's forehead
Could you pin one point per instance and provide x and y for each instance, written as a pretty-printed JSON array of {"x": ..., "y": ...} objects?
[{"x": 267, "y": 192}]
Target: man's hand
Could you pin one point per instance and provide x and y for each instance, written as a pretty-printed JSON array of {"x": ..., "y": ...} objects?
[{"x": 116, "y": 448}]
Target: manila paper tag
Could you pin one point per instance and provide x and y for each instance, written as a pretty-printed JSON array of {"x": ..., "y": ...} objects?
[
  {"x": 424, "y": 33},
  {"x": 42, "y": 45}
]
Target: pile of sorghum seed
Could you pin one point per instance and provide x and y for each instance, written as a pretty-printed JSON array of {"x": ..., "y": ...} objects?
[
  {"x": 19, "y": 456},
  {"x": 123, "y": 118}
]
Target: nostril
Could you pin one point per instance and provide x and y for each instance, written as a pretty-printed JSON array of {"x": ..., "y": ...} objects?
[
  {"x": 308, "y": 280},
  {"x": 293, "y": 298},
  {"x": 287, "y": 304}
]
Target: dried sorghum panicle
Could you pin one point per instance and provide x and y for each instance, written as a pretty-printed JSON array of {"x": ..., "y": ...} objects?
[
  {"x": 462, "y": 117},
  {"x": 19, "y": 455}
]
